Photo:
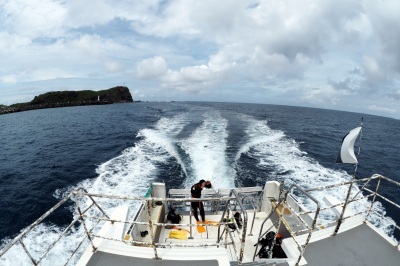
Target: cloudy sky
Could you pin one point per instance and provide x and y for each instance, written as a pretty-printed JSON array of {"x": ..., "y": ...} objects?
[{"x": 341, "y": 55}]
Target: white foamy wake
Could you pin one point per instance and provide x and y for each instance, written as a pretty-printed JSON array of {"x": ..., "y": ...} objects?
[
  {"x": 206, "y": 148},
  {"x": 282, "y": 155},
  {"x": 126, "y": 175},
  {"x": 130, "y": 173}
]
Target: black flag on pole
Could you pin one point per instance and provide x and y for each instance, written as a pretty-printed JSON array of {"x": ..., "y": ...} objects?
[{"x": 346, "y": 152}]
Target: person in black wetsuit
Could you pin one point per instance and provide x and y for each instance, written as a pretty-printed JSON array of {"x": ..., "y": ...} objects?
[{"x": 196, "y": 193}]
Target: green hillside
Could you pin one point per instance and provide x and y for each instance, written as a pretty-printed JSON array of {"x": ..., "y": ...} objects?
[
  {"x": 113, "y": 95},
  {"x": 55, "y": 99}
]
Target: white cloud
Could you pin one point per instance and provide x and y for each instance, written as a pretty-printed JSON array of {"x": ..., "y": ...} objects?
[
  {"x": 154, "y": 67},
  {"x": 35, "y": 18},
  {"x": 8, "y": 79},
  {"x": 188, "y": 19},
  {"x": 49, "y": 73},
  {"x": 37, "y": 75},
  {"x": 113, "y": 67},
  {"x": 191, "y": 79},
  {"x": 12, "y": 42},
  {"x": 372, "y": 67},
  {"x": 86, "y": 13},
  {"x": 93, "y": 45},
  {"x": 322, "y": 95},
  {"x": 266, "y": 48},
  {"x": 359, "y": 27},
  {"x": 64, "y": 58},
  {"x": 381, "y": 109},
  {"x": 196, "y": 74}
]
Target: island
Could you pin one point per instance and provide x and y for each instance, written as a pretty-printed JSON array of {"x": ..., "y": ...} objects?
[{"x": 55, "y": 99}]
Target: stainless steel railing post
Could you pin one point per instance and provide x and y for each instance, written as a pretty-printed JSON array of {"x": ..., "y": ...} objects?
[
  {"x": 27, "y": 252},
  {"x": 373, "y": 199},
  {"x": 83, "y": 223},
  {"x": 150, "y": 223},
  {"x": 311, "y": 228},
  {"x": 244, "y": 228},
  {"x": 254, "y": 214},
  {"x": 190, "y": 221}
]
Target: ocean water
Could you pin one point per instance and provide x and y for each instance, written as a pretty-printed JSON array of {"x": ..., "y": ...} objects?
[{"x": 120, "y": 149}]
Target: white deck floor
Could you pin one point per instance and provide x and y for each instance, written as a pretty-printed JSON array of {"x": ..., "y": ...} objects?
[{"x": 210, "y": 236}]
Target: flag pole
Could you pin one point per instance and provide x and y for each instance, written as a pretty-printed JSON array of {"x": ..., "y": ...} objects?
[{"x": 340, "y": 220}]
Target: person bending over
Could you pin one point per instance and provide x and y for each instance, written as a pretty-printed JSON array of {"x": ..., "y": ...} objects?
[{"x": 196, "y": 193}]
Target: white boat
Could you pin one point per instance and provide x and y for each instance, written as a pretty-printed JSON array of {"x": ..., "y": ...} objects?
[{"x": 299, "y": 236}]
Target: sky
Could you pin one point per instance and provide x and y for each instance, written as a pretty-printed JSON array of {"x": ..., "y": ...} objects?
[{"x": 342, "y": 55}]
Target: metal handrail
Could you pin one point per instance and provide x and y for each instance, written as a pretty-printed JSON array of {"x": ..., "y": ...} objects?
[
  {"x": 80, "y": 243},
  {"x": 375, "y": 193},
  {"x": 233, "y": 195},
  {"x": 158, "y": 199},
  {"x": 261, "y": 235},
  {"x": 88, "y": 233},
  {"x": 284, "y": 201},
  {"x": 343, "y": 183},
  {"x": 327, "y": 208},
  {"x": 245, "y": 218},
  {"x": 243, "y": 239},
  {"x": 254, "y": 213},
  {"x": 33, "y": 225},
  {"x": 312, "y": 227},
  {"x": 153, "y": 223}
]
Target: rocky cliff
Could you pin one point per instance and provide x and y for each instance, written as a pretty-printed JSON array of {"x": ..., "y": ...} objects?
[{"x": 54, "y": 99}]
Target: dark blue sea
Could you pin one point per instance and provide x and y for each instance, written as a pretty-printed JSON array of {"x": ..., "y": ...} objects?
[{"x": 121, "y": 148}]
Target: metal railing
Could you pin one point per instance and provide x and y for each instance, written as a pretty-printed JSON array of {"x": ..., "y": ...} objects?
[
  {"x": 250, "y": 199},
  {"x": 262, "y": 234},
  {"x": 91, "y": 233},
  {"x": 358, "y": 197},
  {"x": 310, "y": 228},
  {"x": 19, "y": 238},
  {"x": 371, "y": 193},
  {"x": 82, "y": 215},
  {"x": 227, "y": 213},
  {"x": 283, "y": 202}
]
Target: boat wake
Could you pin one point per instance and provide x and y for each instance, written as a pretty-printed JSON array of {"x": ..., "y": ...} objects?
[
  {"x": 202, "y": 154},
  {"x": 283, "y": 159},
  {"x": 206, "y": 149}
]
